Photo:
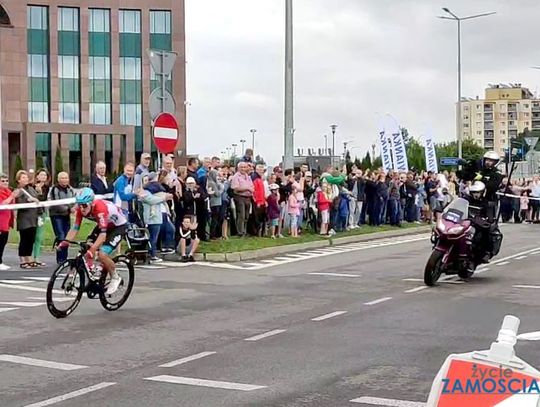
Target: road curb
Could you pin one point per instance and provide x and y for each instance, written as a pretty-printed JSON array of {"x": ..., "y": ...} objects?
[{"x": 289, "y": 248}]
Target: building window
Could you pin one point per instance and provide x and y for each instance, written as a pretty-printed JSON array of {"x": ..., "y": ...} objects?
[
  {"x": 99, "y": 21},
  {"x": 99, "y": 66},
  {"x": 130, "y": 21},
  {"x": 478, "y": 133},
  {"x": 479, "y": 115},
  {"x": 478, "y": 107},
  {"x": 526, "y": 114},
  {"x": 466, "y": 125},
  {"x": 38, "y": 112},
  {"x": 503, "y": 124},
  {"x": 130, "y": 114},
  {"x": 526, "y": 124},
  {"x": 68, "y": 19},
  {"x": 526, "y": 105},
  {"x": 38, "y": 63},
  {"x": 478, "y": 124},
  {"x": 100, "y": 113},
  {"x": 503, "y": 131},
  {"x": 503, "y": 141},
  {"x": 68, "y": 66},
  {"x": 130, "y": 68},
  {"x": 510, "y": 122}
]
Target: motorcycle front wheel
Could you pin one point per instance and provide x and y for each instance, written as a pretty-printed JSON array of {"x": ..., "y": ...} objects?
[{"x": 434, "y": 268}]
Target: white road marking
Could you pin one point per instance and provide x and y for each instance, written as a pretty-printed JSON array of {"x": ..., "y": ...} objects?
[
  {"x": 190, "y": 381},
  {"x": 503, "y": 263},
  {"x": 55, "y": 300},
  {"x": 187, "y": 359},
  {"x": 378, "y": 301},
  {"x": 174, "y": 264},
  {"x": 376, "y": 401},
  {"x": 416, "y": 289},
  {"x": 150, "y": 267},
  {"x": 453, "y": 282},
  {"x": 265, "y": 335},
  {"x": 521, "y": 257},
  {"x": 335, "y": 274},
  {"x": 270, "y": 261},
  {"x": 27, "y": 288},
  {"x": 15, "y": 281},
  {"x": 526, "y": 286},
  {"x": 327, "y": 316},
  {"x": 7, "y": 309},
  {"x": 282, "y": 258},
  {"x": 23, "y": 304},
  {"x": 343, "y": 249},
  {"x": 37, "y": 278},
  {"x": 71, "y": 395},
  {"x": 40, "y": 363}
]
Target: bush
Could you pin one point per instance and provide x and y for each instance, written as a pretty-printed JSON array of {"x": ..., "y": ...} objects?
[
  {"x": 18, "y": 166},
  {"x": 58, "y": 161}
]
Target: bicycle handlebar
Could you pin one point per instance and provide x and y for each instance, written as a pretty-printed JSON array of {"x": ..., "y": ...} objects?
[{"x": 83, "y": 245}]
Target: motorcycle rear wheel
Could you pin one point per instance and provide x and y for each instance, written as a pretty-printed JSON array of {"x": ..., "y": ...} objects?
[{"x": 433, "y": 269}]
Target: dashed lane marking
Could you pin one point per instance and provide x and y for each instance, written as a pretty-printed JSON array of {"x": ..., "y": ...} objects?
[
  {"x": 334, "y": 274},
  {"x": 37, "y": 278},
  {"x": 28, "y": 288},
  {"x": 187, "y": 359},
  {"x": 190, "y": 381},
  {"x": 15, "y": 281},
  {"x": 7, "y": 309},
  {"x": 416, "y": 289},
  {"x": 23, "y": 304},
  {"x": 526, "y": 286},
  {"x": 378, "y": 301},
  {"x": 71, "y": 395},
  {"x": 328, "y": 316},
  {"x": 521, "y": 257},
  {"x": 502, "y": 263},
  {"x": 265, "y": 335},
  {"x": 376, "y": 401},
  {"x": 21, "y": 360}
]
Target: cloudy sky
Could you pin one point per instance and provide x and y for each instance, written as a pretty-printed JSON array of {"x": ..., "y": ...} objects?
[{"x": 353, "y": 59}]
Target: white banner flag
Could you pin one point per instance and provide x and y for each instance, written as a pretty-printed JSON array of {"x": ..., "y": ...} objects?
[
  {"x": 431, "y": 156},
  {"x": 385, "y": 149},
  {"x": 399, "y": 153}
]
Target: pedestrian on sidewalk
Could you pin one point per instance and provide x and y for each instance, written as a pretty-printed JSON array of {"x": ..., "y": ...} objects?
[
  {"x": 242, "y": 187},
  {"x": 324, "y": 194},
  {"x": 214, "y": 188},
  {"x": 27, "y": 219},
  {"x": 189, "y": 242},
  {"x": 293, "y": 210},
  {"x": 41, "y": 185},
  {"x": 61, "y": 214},
  {"x": 166, "y": 233},
  {"x": 6, "y": 217},
  {"x": 99, "y": 183}
]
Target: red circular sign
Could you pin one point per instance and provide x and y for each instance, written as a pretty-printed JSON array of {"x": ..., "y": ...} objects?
[{"x": 165, "y": 133}]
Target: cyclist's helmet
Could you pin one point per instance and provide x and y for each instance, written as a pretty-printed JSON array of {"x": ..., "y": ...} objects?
[
  {"x": 491, "y": 159},
  {"x": 85, "y": 196}
]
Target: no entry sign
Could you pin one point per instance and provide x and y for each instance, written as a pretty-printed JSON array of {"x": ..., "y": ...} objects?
[{"x": 165, "y": 133}]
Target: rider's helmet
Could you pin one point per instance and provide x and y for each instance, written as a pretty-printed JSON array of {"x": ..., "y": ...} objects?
[
  {"x": 477, "y": 190},
  {"x": 491, "y": 159},
  {"x": 85, "y": 196}
]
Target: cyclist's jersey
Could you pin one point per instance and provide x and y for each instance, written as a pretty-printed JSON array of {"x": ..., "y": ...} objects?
[{"x": 106, "y": 214}]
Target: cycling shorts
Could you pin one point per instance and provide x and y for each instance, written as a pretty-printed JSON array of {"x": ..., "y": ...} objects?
[{"x": 113, "y": 239}]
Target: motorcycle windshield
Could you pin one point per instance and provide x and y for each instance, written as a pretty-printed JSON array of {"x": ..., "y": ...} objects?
[{"x": 456, "y": 211}]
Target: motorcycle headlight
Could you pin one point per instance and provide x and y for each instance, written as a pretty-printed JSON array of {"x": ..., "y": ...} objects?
[
  {"x": 440, "y": 225},
  {"x": 454, "y": 230}
]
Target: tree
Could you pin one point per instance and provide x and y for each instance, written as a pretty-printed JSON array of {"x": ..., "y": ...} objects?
[
  {"x": 471, "y": 151},
  {"x": 405, "y": 135},
  {"x": 18, "y": 166},
  {"x": 357, "y": 162},
  {"x": 39, "y": 161},
  {"x": 58, "y": 161},
  {"x": 415, "y": 154},
  {"x": 259, "y": 160},
  {"x": 377, "y": 163},
  {"x": 121, "y": 163},
  {"x": 366, "y": 162}
]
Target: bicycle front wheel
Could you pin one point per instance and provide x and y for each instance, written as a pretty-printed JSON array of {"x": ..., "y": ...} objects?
[
  {"x": 124, "y": 268},
  {"x": 65, "y": 289}
]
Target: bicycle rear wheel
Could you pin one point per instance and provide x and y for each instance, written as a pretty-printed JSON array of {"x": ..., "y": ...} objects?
[
  {"x": 65, "y": 289},
  {"x": 124, "y": 268}
]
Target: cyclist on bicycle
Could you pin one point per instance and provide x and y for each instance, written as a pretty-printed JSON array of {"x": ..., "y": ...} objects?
[{"x": 107, "y": 235}]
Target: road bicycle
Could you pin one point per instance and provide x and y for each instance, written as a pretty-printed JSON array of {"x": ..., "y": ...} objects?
[{"x": 74, "y": 277}]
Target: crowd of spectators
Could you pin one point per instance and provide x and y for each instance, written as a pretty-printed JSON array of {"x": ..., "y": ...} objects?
[{"x": 210, "y": 200}]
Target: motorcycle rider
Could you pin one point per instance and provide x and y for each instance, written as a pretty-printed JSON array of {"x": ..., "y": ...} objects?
[{"x": 483, "y": 194}]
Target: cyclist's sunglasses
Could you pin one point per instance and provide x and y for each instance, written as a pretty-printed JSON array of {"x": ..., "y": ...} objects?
[{"x": 84, "y": 206}]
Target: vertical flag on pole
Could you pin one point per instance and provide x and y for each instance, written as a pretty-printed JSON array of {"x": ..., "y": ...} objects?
[
  {"x": 399, "y": 152},
  {"x": 385, "y": 149},
  {"x": 431, "y": 156}
]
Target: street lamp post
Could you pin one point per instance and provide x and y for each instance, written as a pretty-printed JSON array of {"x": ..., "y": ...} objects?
[
  {"x": 333, "y": 127},
  {"x": 234, "y": 145},
  {"x": 253, "y": 131},
  {"x": 459, "y": 20},
  {"x": 242, "y": 141},
  {"x": 373, "y": 151},
  {"x": 288, "y": 131},
  {"x": 325, "y": 144}
]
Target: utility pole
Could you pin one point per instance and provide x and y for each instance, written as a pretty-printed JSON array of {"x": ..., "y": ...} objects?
[
  {"x": 253, "y": 131},
  {"x": 288, "y": 152},
  {"x": 242, "y": 142}
]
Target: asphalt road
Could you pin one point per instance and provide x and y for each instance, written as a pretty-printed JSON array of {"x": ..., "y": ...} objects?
[{"x": 269, "y": 333}]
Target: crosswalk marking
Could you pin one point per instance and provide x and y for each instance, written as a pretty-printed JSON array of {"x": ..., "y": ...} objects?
[
  {"x": 37, "y": 278},
  {"x": 377, "y": 401},
  {"x": 7, "y": 309},
  {"x": 15, "y": 281},
  {"x": 187, "y": 359},
  {"x": 71, "y": 395}
]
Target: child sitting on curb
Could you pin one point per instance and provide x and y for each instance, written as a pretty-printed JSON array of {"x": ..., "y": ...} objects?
[{"x": 189, "y": 242}]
